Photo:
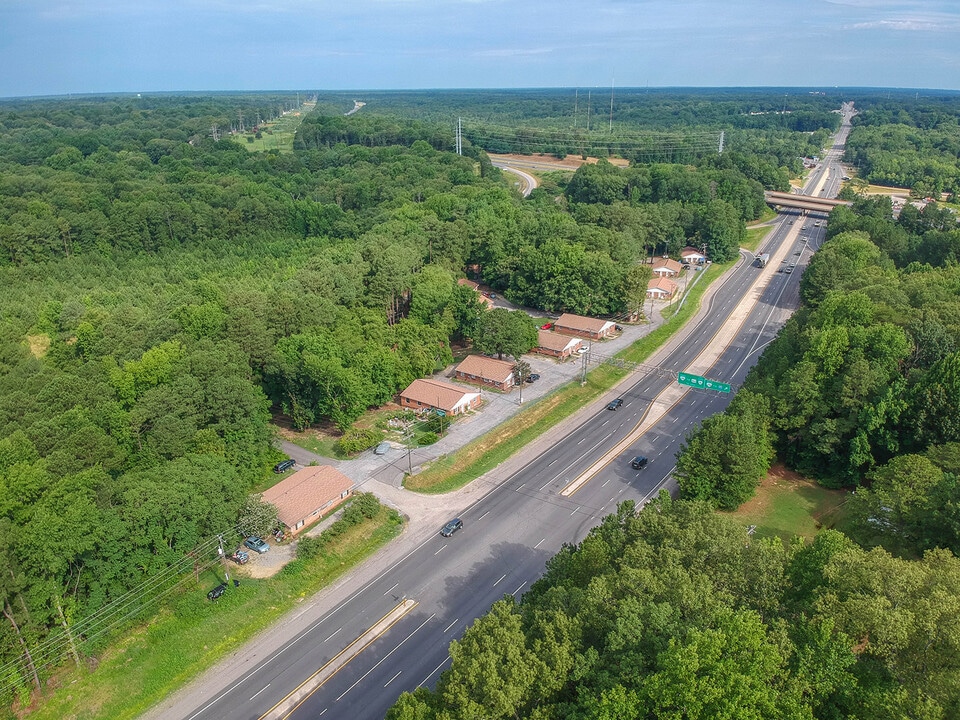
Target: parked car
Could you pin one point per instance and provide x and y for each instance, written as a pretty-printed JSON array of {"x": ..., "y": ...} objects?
[
  {"x": 217, "y": 591},
  {"x": 582, "y": 349},
  {"x": 493, "y": 296},
  {"x": 614, "y": 404},
  {"x": 284, "y": 465},
  {"x": 546, "y": 326},
  {"x": 240, "y": 557},
  {"x": 533, "y": 377},
  {"x": 382, "y": 449},
  {"x": 618, "y": 328},
  {"x": 256, "y": 544},
  {"x": 639, "y": 462},
  {"x": 451, "y": 527}
]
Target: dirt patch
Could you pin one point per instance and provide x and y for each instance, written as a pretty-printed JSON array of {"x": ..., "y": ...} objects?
[
  {"x": 570, "y": 162},
  {"x": 268, "y": 564},
  {"x": 39, "y": 344},
  {"x": 322, "y": 431}
]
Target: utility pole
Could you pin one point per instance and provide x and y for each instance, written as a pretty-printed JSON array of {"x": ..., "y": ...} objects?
[
  {"x": 223, "y": 557},
  {"x": 611, "y": 105},
  {"x": 410, "y": 452}
]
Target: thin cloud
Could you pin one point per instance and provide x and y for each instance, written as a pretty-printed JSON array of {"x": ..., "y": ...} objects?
[
  {"x": 915, "y": 24},
  {"x": 513, "y": 52}
]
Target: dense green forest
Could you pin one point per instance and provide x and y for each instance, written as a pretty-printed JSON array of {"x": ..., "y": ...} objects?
[
  {"x": 164, "y": 292},
  {"x": 674, "y": 612},
  {"x": 861, "y": 389},
  {"x": 908, "y": 142}
]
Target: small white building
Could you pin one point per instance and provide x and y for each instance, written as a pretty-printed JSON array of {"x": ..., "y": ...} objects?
[
  {"x": 661, "y": 289},
  {"x": 693, "y": 256}
]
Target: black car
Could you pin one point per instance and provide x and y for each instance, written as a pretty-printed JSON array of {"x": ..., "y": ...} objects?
[
  {"x": 284, "y": 466},
  {"x": 533, "y": 378},
  {"x": 638, "y": 463},
  {"x": 451, "y": 527},
  {"x": 614, "y": 404},
  {"x": 217, "y": 591}
]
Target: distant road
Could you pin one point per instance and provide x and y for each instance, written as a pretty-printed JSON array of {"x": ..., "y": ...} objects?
[
  {"x": 527, "y": 181},
  {"x": 518, "y": 516}
]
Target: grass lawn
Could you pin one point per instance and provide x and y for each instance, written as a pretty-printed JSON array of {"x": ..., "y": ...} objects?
[
  {"x": 787, "y": 504},
  {"x": 317, "y": 443},
  {"x": 191, "y": 633}
]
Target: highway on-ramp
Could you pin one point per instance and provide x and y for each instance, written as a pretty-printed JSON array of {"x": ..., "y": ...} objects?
[{"x": 527, "y": 181}]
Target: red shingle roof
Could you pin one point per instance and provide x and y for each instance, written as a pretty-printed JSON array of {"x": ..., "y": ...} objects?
[
  {"x": 663, "y": 284},
  {"x": 577, "y": 322},
  {"x": 556, "y": 342},
  {"x": 487, "y": 368},
  {"x": 666, "y": 264},
  {"x": 307, "y": 490},
  {"x": 436, "y": 393}
]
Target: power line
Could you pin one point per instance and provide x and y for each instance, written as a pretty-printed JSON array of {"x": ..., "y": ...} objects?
[{"x": 51, "y": 651}]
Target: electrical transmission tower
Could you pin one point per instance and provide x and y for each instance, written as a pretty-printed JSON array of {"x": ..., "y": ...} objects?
[
  {"x": 215, "y": 132},
  {"x": 459, "y": 141}
]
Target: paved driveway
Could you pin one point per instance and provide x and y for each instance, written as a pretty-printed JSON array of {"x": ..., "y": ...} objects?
[{"x": 383, "y": 474}]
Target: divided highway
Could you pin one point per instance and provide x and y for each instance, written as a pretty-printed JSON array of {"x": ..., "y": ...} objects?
[{"x": 511, "y": 531}]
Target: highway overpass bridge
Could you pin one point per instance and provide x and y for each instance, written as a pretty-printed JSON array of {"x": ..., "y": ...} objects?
[{"x": 803, "y": 202}]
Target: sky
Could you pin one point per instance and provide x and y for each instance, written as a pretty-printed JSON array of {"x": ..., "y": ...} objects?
[{"x": 55, "y": 47}]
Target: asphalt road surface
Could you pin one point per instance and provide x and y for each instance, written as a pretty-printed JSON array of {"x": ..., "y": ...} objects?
[
  {"x": 510, "y": 532},
  {"x": 527, "y": 181}
]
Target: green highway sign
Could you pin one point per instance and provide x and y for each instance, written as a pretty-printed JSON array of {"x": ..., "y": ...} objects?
[
  {"x": 717, "y": 385},
  {"x": 692, "y": 380},
  {"x": 698, "y": 381}
]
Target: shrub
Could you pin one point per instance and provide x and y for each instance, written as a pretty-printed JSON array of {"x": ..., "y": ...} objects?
[
  {"x": 427, "y": 438},
  {"x": 352, "y": 515},
  {"x": 356, "y": 440},
  {"x": 436, "y": 424},
  {"x": 368, "y": 504},
  {"x": 309, "y": 547}
]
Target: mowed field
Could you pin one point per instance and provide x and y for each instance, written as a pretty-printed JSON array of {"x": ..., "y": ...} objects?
[{"x": 787, "y": 504}]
